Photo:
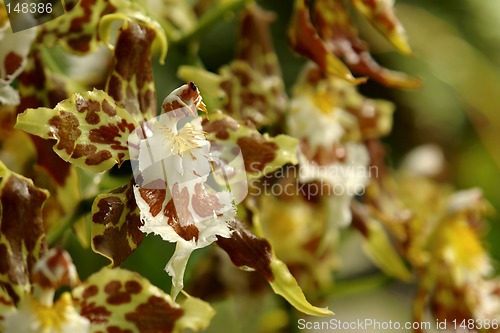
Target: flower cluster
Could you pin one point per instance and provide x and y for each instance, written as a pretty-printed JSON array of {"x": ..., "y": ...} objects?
[{"x": 197, "y": 170}]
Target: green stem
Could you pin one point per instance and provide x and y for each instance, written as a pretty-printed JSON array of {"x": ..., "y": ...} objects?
[
  {"x": 56, "y": 233},
  {"x": 210, "y": 19}
]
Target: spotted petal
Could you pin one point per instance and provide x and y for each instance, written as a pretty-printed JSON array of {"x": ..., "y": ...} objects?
[
  {"x": 251, "y": 252},
  {"x": 78, "y": 29},
  {"x": 192, "y": 217},
  {"x": 252, "y": 83},
  {"x": 261, "y": 154},
  {"x": 305, "y": 41},
  {"x": 22, "y": 237},
  {"x": 14, "y": 49},
  {"x": 378, "y": 246},
  {"x": 131, "y": 81},
  {"x": 335, "y": 27},
  {"x": 115, "y": 224},
  {"x": 90, "y": 128},
  {"x": 117, "y": 300},
  {"x": 381, "y": 14}
]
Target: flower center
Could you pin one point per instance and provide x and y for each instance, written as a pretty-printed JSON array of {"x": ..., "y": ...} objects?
[
  {"x": 183, "y": 140},
  {"x": 324, "y": 101},
  {"x": 52, "y": 316}
]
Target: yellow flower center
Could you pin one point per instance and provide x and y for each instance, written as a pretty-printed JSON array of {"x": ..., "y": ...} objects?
[
  {"x": 182, "y": 141},
  {"x": 324, "y": 101},
  {"x": 468, "y": 252},
  {"x": 52, "y": 316}
]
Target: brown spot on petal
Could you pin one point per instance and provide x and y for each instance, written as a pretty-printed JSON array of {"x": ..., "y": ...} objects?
[
  {"x": 22, "y": 227},
  {"x": 179, "y": 216},
  {"x": 133, "y": 287},
  {"x": 98, "y": 158},
  {"x": 112, "y": 287},
  {"x": 110, "y": 211},
  {"x": 114, "y": 88},
  {"x": 256, "y": 152},
  {"x": 119, "y": 298},
  {"x": 78, "y": 22},
  {"x": 94, "y": 157},
  {"x": 90, "y": 291},
  {"x": 92, "y": 116},
  {"x": 96, "y": 314},
  {"x": 104, "y": 134},
  {"x": 116, "y": 329},
  {"x": 187, "y": 232},
  {"x": 4, "y": 265},
  {"x": 12, "y": 62},
  {"x": 113, "y": 243},
  {"x": 157, "y": 316},
  {"x": 83, "y": 150},
  {"x": 220, "y": 127},
  {"x": 133, "y": 71},
  {"x": 119, "y": 212},
  {"x": 205, "y": 204},
  {"x": 82, "y": 44},
  {"x": 154, "y": 198},
  {"x": 108, "y": 109},
  {"x": 115, "y": 295},
  {"x": 64, "y": 127},
  {"x": 247, "y": 250}
]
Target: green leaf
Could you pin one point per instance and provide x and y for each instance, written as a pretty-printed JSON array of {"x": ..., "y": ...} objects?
[
  {"x": 115, "y": 224},
  {"x": 262, "y": 154},
  {"x": 118, "y": 299},
  {"x": 22, "y": 236},
  {"x": 90, "y": 128}
]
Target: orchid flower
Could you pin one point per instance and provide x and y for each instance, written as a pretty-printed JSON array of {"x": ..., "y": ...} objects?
[
  {"x": 37, "y": 313},
  {"x": 172, "y": 191}
]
